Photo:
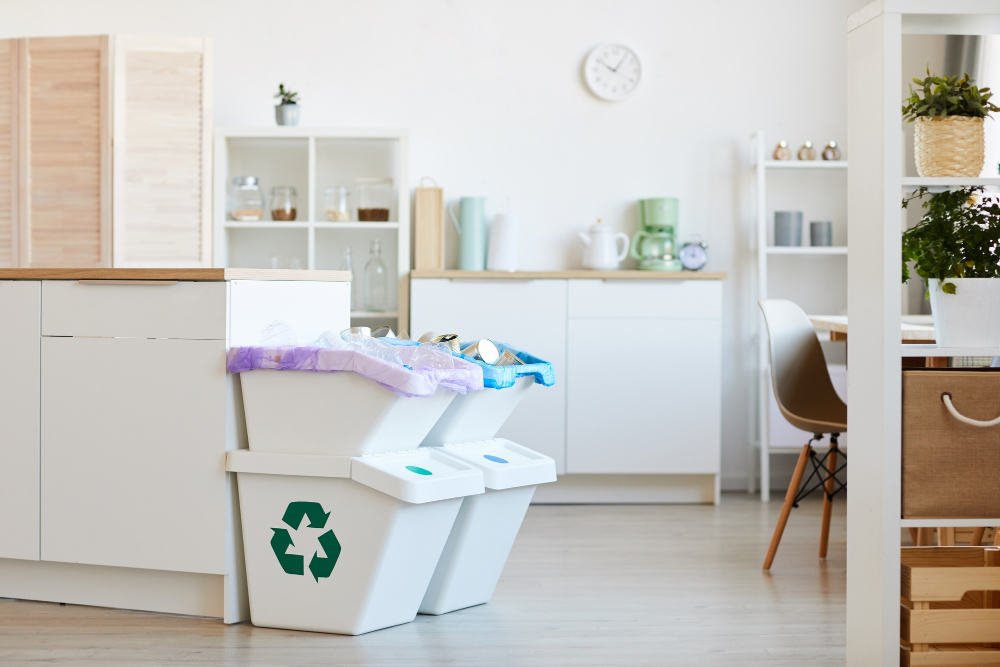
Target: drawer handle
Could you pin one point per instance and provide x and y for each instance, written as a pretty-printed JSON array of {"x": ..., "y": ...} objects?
[
  {"x": 946, "y": 397},
  {"x": 127, "y": 282}
]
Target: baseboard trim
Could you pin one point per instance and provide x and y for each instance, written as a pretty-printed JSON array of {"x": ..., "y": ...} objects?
[
  {"x": 187, "y": 593},
  {"x": 611, "y": 489}
]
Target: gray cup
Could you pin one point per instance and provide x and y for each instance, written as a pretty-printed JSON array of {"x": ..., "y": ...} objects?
[
  {"x": 787, "y": 228},
  {"x": 821, "y": 233}
]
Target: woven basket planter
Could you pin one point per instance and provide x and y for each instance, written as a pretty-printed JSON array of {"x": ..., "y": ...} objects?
[{"x": 951, "y": 146}]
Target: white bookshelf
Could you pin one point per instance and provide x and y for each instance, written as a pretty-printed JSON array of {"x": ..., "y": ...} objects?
[
  {"x": 875, "y": 223},
  {"x": 761, "y": 445},
  {"x": 311, "y": 160}
]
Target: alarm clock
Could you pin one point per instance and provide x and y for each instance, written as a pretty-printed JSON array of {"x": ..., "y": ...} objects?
[{"x": 693, "y": 254}]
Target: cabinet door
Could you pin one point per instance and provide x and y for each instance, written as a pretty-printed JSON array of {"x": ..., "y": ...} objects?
[
  {"x": 133, "y": 453},
  {"x": 20, "y": 302},
  {"x": 644, "y": 395},
  {"x": 8, "y": 153},
  {"x": 64, "y": 165},
  {"x": 530, "y": 314},
  {"x": 162, "y": 152}
]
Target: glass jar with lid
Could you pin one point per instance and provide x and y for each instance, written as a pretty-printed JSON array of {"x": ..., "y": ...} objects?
[
  {"x": 374, "y": 197},
  {"x": 336, "y": 207},
  {"x": 283, "y": 203},
  {"x": 246, "y": 201}
]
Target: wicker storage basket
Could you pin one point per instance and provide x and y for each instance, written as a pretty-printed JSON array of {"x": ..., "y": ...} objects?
[{"x": 952, "y": 146}]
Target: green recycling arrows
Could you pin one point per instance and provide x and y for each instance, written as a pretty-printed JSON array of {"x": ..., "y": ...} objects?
[{"x": 320, "y": 567}]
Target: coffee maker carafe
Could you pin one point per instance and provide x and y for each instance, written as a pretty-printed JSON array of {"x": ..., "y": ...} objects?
[{"x": 655, "y": 244}]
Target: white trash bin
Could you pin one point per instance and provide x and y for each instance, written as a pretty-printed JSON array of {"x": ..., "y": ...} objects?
[
  {"x": 345, "y": 544},
  {"x": 487, "y": 524},
  {"x": 478, "y": 414}
]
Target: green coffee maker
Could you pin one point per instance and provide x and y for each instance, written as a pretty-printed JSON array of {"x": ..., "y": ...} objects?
[{"x": 655, "y": 244}]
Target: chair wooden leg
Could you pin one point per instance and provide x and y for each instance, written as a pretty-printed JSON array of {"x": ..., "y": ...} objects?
[
  {"x": 831, "y": 467},
  {"x": 946, "y": 537},
  {"x": 925, "y": 537},
  {"x": 977, "y": 537},
  {"x": 914, "y": 537},
  {"x": 996, "y": 536},
  {"x": 786, "y": 509}
]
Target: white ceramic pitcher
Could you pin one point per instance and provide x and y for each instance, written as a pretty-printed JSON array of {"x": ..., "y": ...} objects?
[{"x": 601, "y": 247}]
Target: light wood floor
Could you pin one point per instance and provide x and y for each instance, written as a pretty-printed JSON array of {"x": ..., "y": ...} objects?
[{"x": 585, "y": 585}]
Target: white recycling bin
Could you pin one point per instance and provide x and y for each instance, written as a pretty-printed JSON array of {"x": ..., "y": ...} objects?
[
  {"x": 487, "y": 524},
  {"x": 477, "y": 414},
  {"x": 345, "y": 544}
]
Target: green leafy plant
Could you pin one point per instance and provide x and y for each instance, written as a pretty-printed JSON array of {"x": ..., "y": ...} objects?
[
  {"x": 945, "y": 96},
  {"x": 957, "y": 237},
  {"x": 287, "y": 96}
]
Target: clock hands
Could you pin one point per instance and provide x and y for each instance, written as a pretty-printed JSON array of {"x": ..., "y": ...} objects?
[{"x": 620, "y": 63}]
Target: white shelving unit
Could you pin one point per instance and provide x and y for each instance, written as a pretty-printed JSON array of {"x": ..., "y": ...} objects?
[
  {"x": 761, "y": 444},
  {"x": 875, "y": 184},
  {"x": 311, "y": 160}
]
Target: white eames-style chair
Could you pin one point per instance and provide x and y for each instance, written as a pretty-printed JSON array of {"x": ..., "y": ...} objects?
[{"x": 807, "y": 399}]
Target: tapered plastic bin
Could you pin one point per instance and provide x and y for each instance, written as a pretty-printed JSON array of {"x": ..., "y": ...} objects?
[
  {"x": 479, "y": 415},
  {"x": 487, "y": 524},
  {"x": 345, "y": 544},
  {"x": 341, "y": 402}
]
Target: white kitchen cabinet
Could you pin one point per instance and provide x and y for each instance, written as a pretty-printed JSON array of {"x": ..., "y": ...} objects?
[
  {"x": 530, "y": 314},
  {"x": 132, "y": 431},
  {"x": 19, "y": 409},
  {"x": 638, "y": 363},
  {"x": 116, "y": 413}
]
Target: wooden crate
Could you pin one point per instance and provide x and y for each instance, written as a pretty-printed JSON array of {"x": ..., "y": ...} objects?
[{"x": 950, "y": 606}]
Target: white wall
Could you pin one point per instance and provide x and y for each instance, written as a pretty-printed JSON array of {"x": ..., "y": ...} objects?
[{"x": 493, "y": 98}]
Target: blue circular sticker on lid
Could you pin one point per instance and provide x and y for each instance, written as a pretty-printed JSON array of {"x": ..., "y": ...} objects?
[{"x": 495, "y": 459}]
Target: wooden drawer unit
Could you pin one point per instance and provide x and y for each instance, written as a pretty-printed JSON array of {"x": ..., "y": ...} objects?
[
  {"x": 950, "y": 606},
  {"x": 134, "y": 309},
  {"x": 689, "y": 299}
]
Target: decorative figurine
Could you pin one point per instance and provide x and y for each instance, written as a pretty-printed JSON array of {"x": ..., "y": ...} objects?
[
  {"x": 807, "y": 152},
  {"x": 782, "y": 151},
  {"x": 831, "y": 152}
]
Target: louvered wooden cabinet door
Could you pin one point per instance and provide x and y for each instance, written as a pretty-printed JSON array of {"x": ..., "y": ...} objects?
[
  {"x": 8, "y": 149},
  {"x": 162, "y": 152},
  {"x": 64, "y": 152}
]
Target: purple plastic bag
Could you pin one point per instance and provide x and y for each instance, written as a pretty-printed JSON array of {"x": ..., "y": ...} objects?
[{"x": 403, "y": 380}]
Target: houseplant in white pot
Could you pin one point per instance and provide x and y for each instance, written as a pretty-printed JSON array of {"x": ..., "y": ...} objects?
[
  {"x": 956, "y": 248},
  {"x": 287, "y": 110},
  {"x": 949, "y": 113}
]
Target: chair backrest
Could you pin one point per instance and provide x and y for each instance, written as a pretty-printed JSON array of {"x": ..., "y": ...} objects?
[{"x": 799, "y": 374}]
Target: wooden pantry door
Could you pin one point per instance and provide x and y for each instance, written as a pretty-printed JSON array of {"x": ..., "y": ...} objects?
[
  {"x": 162, "y": 152},
  {"x": 64, "y": 152}
]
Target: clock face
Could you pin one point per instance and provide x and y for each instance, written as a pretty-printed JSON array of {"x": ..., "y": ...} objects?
[
  {"x": 612, "y": 72},
  {"x": 693, "y": 256}
]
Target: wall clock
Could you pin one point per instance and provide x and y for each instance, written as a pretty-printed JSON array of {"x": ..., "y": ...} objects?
[{"x": 612, "y": 71}]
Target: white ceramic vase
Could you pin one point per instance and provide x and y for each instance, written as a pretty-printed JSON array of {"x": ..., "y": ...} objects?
[{"x": 971, "y": 316}]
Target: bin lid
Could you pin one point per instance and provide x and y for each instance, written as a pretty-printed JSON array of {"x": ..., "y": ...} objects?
[
  {"x": 418, "y": 475},
  {"x": 505, "y": 464}
]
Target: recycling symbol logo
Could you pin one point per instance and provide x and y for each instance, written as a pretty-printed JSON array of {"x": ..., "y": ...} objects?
[{"x": 320, "y": 566}]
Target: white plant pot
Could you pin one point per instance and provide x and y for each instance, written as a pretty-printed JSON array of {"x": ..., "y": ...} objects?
[
  {"x": 971, "y": 316},
  {"x": 286, "y": 114}
]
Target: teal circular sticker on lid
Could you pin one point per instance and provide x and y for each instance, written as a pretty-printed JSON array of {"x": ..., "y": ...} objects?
[
  {"x": 495, "y": 459},
  {"x": 419, "y": 470}
]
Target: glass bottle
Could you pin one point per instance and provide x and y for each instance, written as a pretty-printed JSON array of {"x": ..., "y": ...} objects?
[
  {"x": 375, "y": 280},
  {"x": 246, "y": 202},
  {"x": 348, "y": 265},
  {"x": 336, "y": 207},
  {"x": 283, "y": 202}
]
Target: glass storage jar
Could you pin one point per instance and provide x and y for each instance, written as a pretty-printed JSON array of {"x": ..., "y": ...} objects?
[
  {"x": 246, "y": 201},
  {"x": 336, "y": 207},
  {"x": 283, "y": 200},
  {"x": 374, "y": 198}
]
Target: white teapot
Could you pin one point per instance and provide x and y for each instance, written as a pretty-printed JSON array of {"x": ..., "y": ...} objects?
[{"x": 601, "y": 247}]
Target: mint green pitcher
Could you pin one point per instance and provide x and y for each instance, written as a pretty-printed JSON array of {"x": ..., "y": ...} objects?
[{"x": 471, "y": 226}]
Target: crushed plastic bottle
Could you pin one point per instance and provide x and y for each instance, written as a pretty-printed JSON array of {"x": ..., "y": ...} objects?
[
  {"x": 432, "y": 355},
  {"x": 278, "y": 334},
  {"x": 375, "y": 347}
]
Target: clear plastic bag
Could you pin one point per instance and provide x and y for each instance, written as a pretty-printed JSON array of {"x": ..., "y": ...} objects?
[
  {"x": 432, "y": 355},
  {"x": 278, "y": 334},
  {"x": 375, "y": 347}
]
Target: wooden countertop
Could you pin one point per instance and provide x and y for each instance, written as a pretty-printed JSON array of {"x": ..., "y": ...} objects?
[
  {"x": 572, "y": 274},
  {"x": 173, "y": 274}
]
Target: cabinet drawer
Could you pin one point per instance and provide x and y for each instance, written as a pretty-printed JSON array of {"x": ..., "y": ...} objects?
[
  {"x": 194, "y": 310},
  {"x": 699, "y": 299}
]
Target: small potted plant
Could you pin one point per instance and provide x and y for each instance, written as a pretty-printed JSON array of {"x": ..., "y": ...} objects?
[
  {"x": 956, "y": 248},
  {"x": 949, "y": 112},
  {"x": 287, "y": 111}
]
